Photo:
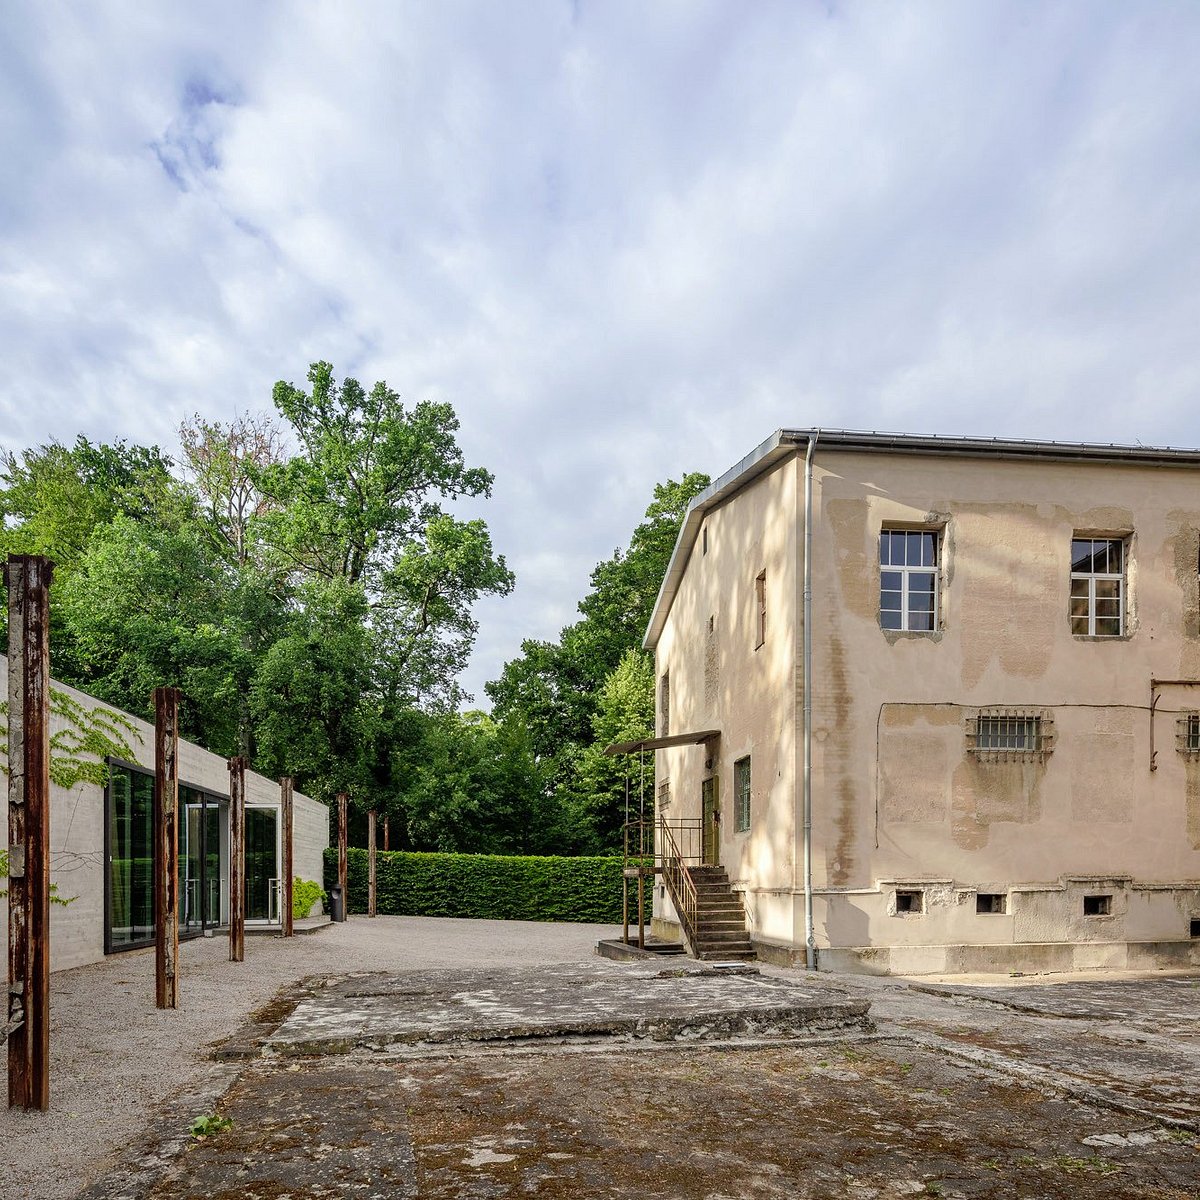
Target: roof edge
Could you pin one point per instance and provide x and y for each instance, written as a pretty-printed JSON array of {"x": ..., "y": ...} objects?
[{"x": 786, "y": 441}]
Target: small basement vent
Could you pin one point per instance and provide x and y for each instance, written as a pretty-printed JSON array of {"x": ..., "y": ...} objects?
[
  {"x": 1097, "y": 906},
  {"x": 991, "y": 902},
  {"x": 910, "y": 901}
]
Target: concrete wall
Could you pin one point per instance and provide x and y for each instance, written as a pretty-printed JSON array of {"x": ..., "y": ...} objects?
[
  {"x": 77, "y": 864},
  {"x": 899, "y": 799}
]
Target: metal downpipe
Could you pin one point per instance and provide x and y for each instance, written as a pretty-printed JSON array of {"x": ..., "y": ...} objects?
[{"x": 810, "y": 942}]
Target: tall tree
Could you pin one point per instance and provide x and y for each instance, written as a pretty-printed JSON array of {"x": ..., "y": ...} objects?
[
  {"x": 554, "y": 688},
  {"x": 357, "y": 518},
  {"x": 224, "y": 463}
]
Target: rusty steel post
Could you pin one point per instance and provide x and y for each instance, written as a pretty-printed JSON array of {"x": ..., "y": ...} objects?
[
  {"x": 27, "y": 578},
  {"x": 342, "y": 801},
  {"x": 166, "y": 847},
  {"x": 285, "y": 803},
  {"x": 371, "y": 863},
  {"x": 385, "y": 834},
  {"x": 641, "y": 910},
  {"x": 237, "y": 859}
]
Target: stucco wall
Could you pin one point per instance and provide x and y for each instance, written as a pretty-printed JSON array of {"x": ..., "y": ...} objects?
[
  {"x": 898, "y": 798},
  {"x": 77, "y": 835},
  {"x": 897, "y": 795},
  {"x": 720, "y": 678}
]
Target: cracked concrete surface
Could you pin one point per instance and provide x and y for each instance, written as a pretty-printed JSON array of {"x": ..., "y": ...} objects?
[
  {"x": 586, "y": 1000},
  {"x": 1052, "y": 1087}
]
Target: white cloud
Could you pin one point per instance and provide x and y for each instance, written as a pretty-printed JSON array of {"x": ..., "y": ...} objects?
[{"x": 625, "y": 241}]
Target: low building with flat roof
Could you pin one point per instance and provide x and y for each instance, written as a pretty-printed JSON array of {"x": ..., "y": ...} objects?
[{"x": 102, "y": 848}]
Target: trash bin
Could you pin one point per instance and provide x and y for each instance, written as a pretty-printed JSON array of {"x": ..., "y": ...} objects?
[{"x": 337, "y": 904}]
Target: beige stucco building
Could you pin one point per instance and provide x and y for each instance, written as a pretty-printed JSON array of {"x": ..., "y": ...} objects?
[{"x": 1003, "y": 701}]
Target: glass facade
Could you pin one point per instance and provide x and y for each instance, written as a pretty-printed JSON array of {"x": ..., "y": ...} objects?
[
  {"x": 130, "y": 835},
  {"x": 262, "y": 882},
  {"x": 203, "y": 882}
]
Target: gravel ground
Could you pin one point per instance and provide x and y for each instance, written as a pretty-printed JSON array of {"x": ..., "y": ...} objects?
[{"x": 115, "y": 1057}]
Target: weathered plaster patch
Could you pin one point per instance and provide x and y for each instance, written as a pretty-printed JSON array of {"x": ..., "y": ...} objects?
[
  {"x": 914, "y": 776},
  {"x": 857, "y": 561},
  {"x": 1102, "y": 771}
]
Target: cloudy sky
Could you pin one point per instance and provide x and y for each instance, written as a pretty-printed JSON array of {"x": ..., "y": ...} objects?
[{"x": 625, "y": 240}]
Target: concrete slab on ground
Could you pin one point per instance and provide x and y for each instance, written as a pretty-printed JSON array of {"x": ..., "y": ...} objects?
[
  {"x": 680, "y": 1001},
  {"x": 858, "y": 1121}
]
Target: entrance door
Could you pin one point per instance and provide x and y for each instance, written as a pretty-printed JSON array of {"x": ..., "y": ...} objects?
[
  {"x": 710, "y": 824},
  {"x": 192, "y": 893},
  {"x": 262, "y": 865},
  {"x": 203, "y": 861}
]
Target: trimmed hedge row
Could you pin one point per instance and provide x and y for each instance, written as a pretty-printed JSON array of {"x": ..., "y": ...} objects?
[{"x": 499, "y": 887}]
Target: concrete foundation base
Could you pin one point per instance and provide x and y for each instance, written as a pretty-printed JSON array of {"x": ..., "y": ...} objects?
[{"x": 1029, "y": 958}]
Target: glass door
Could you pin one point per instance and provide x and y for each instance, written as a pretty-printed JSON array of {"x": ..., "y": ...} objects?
[
  {"x": 262, "y": 865},
  {"x": 191, "y": 861},
  {"x": 203, "y": 861}
]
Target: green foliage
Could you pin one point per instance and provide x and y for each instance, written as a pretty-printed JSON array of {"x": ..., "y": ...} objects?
[
  {"x": 304, "y": 604},
  {"x": 208, "y": 1125},
  {"x": 87, "y": 738},
  {"x": 603, "y": 785},
  {"x": 152, "y": 607},
  {"x": 485, "y": 886},
  {"x": 557, "y": 690},
  {"x": 305, "y": 893},
  {"x": 471, "y": 784}
]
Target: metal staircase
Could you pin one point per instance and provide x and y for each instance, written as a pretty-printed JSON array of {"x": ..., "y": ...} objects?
[{"x": 710, "y": 912}]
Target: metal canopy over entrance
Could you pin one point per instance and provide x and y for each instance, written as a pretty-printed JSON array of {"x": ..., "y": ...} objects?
[{"x": 663, "y": 743}]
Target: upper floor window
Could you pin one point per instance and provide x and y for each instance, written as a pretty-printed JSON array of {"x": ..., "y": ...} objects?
[
  {"x": 1098, "y": 587},
  {"x": 664, "y": 705},
  {"x": 908, "y": 573},
  {"x": 760, "y": 609},
  {"x": 741, "y": 793}
]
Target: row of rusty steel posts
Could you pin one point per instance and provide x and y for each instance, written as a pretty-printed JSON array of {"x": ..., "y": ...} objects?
[
  {"x": 27, "y": 580},
  {"x": 343, "y": 802}
]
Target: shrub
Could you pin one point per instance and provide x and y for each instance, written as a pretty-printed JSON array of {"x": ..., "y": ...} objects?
[
  {"x": 305, "y": 893},
  {"x": 492, "y": 886}
]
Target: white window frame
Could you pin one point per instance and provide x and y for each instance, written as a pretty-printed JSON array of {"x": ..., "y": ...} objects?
[
  {"x": 906, "y": 572},
  {"x": 1092, "y": 578}
]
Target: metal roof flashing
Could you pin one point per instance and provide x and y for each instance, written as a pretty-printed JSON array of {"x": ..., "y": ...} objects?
[{"x": 784, "y": 442}]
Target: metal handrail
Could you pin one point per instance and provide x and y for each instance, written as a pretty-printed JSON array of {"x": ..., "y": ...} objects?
[{"x": 678, "y": 878}]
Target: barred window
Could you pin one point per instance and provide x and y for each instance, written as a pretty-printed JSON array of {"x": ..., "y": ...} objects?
[
  {"x": 1187, "y": 734},
  {"x": 1008, "y": 733}
]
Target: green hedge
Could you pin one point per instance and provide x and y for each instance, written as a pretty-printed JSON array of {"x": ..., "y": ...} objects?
[{"x": 500, "y": 887}]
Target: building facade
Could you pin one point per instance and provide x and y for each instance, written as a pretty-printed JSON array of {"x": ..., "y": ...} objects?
[
  {"x": 1003, "y": 698},
  {"x": 102, "y": 849}
]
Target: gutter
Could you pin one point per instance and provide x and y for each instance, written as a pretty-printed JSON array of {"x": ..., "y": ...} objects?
[{"x": 810, "y": 943}]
